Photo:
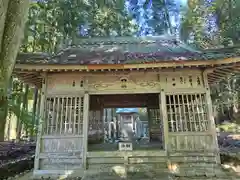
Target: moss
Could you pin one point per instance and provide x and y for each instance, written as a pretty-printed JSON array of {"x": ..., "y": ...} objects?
[{"x": 230, "y": 127}]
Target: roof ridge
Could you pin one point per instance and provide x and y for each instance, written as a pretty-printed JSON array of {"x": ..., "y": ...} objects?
[{"x": 123, "y": 40}]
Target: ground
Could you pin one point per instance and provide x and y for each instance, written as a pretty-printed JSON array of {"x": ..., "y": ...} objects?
[
  {"x": 229, "y": 143},
  {"x": 119, "y": 173}
]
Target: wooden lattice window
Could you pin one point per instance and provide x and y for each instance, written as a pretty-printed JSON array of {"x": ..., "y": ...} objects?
[
  {"x": 155, "y": 116},
  {"x": 187, "y": 112},
  {"x": 63, "y": 115},
  {"x": 95, "y": 120}
]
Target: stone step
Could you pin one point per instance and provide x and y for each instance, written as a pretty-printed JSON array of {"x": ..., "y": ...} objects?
[
  {"x": 192, "y": 170},
  {"x": 129, "y": 176},
  {"x": 131, "y": 172}
]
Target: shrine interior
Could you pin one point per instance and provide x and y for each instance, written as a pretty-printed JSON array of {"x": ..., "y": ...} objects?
[{"x": 118, "y": 118}]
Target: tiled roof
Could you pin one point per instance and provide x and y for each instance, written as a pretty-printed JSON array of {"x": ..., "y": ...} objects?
[{"x": 126, "y": 50}]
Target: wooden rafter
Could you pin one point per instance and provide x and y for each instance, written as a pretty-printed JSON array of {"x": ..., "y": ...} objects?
[{"x": 219, "y": 73}]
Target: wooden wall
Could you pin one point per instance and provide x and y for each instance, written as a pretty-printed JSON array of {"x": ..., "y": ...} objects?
[{"x": 122, "y": 82}]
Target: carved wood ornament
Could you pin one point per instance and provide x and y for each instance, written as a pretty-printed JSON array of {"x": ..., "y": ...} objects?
[{"x": 125, "y": 83}]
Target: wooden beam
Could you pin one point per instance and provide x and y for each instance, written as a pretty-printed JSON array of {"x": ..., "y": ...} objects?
[
  {"x": 216, "y": 75},
  {"x": 220, "y": 73},
  {"x": 212, "y": 77},
  {"x": 29, "y": 76},
  {"x": 236, "y": 70},
  {"x": 211, "y": 80},
  {"x": 222, "y": 67},
  {"x": 228, "y": 70}
]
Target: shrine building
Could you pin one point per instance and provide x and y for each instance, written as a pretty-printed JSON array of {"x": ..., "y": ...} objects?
[{"x": 161, "y": 74}]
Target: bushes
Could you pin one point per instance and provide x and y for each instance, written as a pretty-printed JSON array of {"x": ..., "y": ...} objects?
[{"x": 229, "y": 127}]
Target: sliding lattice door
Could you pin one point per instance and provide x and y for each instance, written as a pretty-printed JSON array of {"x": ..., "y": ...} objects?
[
  {"x": 95, "y": 127},
  {"x": 188, "y": 123}
]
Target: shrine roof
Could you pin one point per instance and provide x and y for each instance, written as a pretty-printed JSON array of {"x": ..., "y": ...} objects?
[
  {"x": 126, "y": 50},
  {"x": 126, "y": 110}
]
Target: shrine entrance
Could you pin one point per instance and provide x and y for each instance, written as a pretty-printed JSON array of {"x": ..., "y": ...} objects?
[{"x": 118, "y": 118}]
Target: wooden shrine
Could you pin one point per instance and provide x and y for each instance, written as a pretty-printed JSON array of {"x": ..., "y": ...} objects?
[{"x": 162, "y": 74}]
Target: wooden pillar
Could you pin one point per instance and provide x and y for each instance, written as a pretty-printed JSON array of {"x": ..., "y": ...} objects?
[
  {"x": 212, "y": 126},
  {"x": 38, "y": 109},
  {"x": 35, "y": 101},
  {"x": 40, "y": 125},
  {"x": 104, "y": 124},
  {"x": 163, "y": 112},
  {"x": 102, "y": 118},
  {"x": 85, "y": 129},
  {"x": 149, "y": 123}
]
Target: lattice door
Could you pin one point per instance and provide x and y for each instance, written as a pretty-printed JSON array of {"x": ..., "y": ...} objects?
[
  {"x": 64, "y": 115},
  {"x": 188, "y": 122},
  {"x": 155, "y": 123},
  {"x": 62, "y": 139}
]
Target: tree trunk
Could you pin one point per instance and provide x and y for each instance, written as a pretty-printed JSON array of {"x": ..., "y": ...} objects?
[
  {"x": 3, "y": 10},
  {"x": 3, "y": 115},
  {"x": 12, "y": 21}
]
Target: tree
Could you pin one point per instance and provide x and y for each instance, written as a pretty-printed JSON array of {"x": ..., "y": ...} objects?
[
  {"x": 52, "y": 26},
  {"x": 213, "y": 24},
  {"x": 12, "y": 20}
]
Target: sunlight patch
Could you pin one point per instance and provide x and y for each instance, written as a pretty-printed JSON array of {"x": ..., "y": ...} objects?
[{"x": 120, "y": 171}]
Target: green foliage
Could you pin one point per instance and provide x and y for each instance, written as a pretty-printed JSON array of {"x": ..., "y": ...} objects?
[
  {"x": 53, "y": 24},
  {"x": 228, "y": 20},
  {"x": 195, "y": 23},
  {"x": 196, "y": 29},
  {"x": 24, "y": 116},
  {"x": 228, "y": 89},
  {"x": 16, "y": 105}
]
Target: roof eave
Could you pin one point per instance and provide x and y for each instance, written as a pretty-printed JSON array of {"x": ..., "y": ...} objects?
[
  {"x": 157, "y": 64},
  {"x": 220, "y": 68}
]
